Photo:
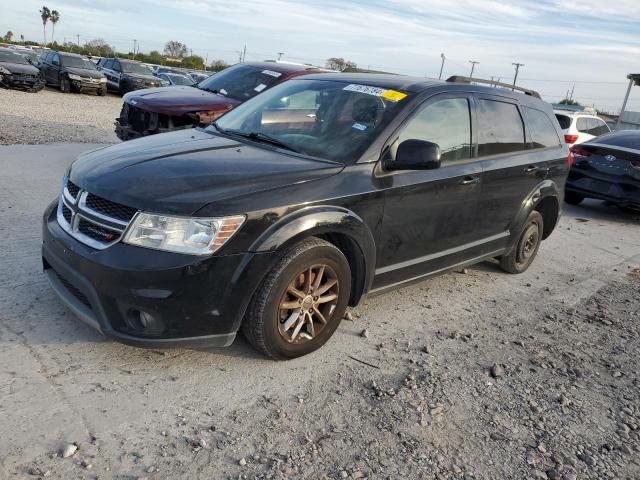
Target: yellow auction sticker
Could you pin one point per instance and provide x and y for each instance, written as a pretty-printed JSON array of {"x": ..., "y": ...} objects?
[{"x": 393, "y": 95}]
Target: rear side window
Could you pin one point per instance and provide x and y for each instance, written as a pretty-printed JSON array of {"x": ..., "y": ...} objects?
[
  {"x": 500, "y": 128},
  {"x": 543, "y": 133},
  {"x": 108, "y": 64},
  {"x": 600, "y": 128},
  {"x": 445, "y": 122},
  {"x": 583, "y": 124},
  {"x": 564, "y": 121}
]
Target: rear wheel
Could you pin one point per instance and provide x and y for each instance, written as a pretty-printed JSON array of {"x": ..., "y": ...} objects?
[
  {"x": 301, "y": 301},
  {"x": 526, "y": 249},
  {"x": 65, "y": 85},
  {"x": 573, "y": 198}
]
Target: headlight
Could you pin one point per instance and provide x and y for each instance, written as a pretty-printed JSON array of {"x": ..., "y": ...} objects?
[
  {"x": 4, "y": 71},
  {"x": 103, "y": 79},
  {"x": 138, "y": 81},
  {"x": 75, "y": 77},
  {"x": 164, "y": 83},
  {"x": 192, "y": 235}
]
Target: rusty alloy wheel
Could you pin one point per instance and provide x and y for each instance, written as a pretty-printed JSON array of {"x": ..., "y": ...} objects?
[{"x": 308, "y": 304}]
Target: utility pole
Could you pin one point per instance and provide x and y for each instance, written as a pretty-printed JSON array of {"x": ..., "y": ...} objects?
[
  {"x": 78, "y": 35},
  {"x": 134, "y": 48},
  {"x": 473, "y": 67},
  {"x": 515, "y": 77},
  {"x": 441, "y": 65},
  {"x": 244, "y": 53},
  {"x": 572, "y": 89},
  {"x": 280, "y": 55}
]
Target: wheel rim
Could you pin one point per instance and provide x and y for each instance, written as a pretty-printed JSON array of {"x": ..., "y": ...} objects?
[
  {"x": 308, "y": 304},
  {"x": 528, "y": 243}
]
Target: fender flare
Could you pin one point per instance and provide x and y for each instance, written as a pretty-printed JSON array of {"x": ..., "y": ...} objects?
[
  {"x": 325, "y": 220},
  {"x": 545, "y": 189}
]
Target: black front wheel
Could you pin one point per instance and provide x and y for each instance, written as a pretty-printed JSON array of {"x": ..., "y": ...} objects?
[
  {"x": 526, "y": 249},
  {"x": 301, "y": 301},
  {"x": 65, "y": 85}
]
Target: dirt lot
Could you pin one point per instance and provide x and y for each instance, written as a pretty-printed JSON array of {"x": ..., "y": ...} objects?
[
  {"x": 476, "y": 375},
  {"x": 50, "y": 116}
]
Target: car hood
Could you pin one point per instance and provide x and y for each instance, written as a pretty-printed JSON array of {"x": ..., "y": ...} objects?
[
  {"x": 181, "y": 172},
  {"x": 20, "y": 68},
  {"x": 146, "y": 78},
  {"x": 83, "y": 72},
  {"x": 178, "y": 100}
]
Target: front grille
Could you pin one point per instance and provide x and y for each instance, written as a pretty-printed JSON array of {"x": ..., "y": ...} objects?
[
  {"x": 82, "y": 298},
  {"x": 72, "y": 188},
  {"x": 109, "y": 208},
  {"x": 90, "y": 219},
  {"x": 66, "y": 213},
  {"x": 97, "y": 232}
]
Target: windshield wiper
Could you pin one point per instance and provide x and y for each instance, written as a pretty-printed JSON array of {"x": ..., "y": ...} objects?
[{"x": 259, "y": 137}]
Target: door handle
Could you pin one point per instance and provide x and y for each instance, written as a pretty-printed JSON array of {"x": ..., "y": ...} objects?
[
  {"x": 470, "y": 180},
  {"x": 531, "y": 169}
]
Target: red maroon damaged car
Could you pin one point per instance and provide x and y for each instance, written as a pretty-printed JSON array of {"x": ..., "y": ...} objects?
[{"x": 159, "y": 110}]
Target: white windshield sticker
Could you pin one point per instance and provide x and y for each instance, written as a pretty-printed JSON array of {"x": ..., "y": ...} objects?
[
  {"x": 223, "y": 91},
  {"x": 365, "y": 89},
  {"x": 272, "y": 73},
  {"x": 260, "y": 87},
  {"x": 359, "y": 126}
]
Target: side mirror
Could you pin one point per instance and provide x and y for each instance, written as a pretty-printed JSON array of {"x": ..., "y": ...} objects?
[{"x": 415, "y": 155}]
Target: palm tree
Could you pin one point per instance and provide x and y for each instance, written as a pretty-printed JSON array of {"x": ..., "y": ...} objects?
[
  {"x": 54, "y": 18},
  {"x": 45, "y": 14}
]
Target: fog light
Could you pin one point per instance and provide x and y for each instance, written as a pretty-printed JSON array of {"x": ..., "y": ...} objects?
[{"x": 144, "y": 322}]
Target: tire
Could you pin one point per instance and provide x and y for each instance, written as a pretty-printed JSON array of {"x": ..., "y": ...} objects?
[
  {"x": 573, "y": 198},
  {"x": 526, "y": 248},
  {"x": 281, "y": 333},
  {"x": 101, "y": 92},
  {"x": 65, "y": 85}
]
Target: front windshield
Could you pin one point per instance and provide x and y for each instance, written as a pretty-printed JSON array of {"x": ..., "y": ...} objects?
[
  {"x": 77, "y": 62},
  {"x": 178, "y": 79},
  {"x": 131, "y": 67},
  {"x": 329, "y": 119},
  {"x": 10, "y": 57},
  {"x": 241, "y": 82}
]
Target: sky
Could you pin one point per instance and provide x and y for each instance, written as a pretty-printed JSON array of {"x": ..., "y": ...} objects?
[{"x": 587, "y": 43}]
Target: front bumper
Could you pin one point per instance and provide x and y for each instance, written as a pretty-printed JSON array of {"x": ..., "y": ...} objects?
[
  {"x": 135, "y": 122},
  {"x": 195, "y": 301},
  {"x": 22, "y": 82},
  {"x": 620, "y": 192},
  {"x": 86, "y": 85}
]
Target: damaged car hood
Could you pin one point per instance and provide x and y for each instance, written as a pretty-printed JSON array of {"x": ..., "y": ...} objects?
[
  {"x": 178, "y": 100},
  {"x": 20, "y": 68},
  {"x": 180, "y": 172},
  {"x": 82, "y": 72}
]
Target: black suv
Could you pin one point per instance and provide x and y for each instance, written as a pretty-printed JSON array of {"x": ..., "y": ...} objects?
[
  {"x": 72, "y": 73},
  {"x": 127, "y": 75},
  {"x": 298, "y": 202}
]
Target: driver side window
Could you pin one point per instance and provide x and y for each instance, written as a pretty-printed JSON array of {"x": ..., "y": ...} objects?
[{"x": 446, "y": 122}]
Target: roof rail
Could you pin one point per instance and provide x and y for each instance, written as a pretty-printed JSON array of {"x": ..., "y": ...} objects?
[{"x": 493, "y": 83}]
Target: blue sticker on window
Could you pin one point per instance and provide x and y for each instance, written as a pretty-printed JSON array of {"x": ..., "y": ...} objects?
[{"x": 359, "y": 126}]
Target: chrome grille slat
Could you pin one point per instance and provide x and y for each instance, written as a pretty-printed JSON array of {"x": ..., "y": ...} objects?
[{"x": 88, "y": 225}]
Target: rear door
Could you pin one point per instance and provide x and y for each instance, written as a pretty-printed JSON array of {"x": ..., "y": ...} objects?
[
  {"x": 511, "y": 168},
  {"x": 429, "y": 215}
]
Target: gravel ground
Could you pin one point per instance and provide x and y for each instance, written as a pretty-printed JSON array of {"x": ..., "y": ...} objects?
[
  {"x": 470, "y": 375},
  {"x": 50, "y": 116}
]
